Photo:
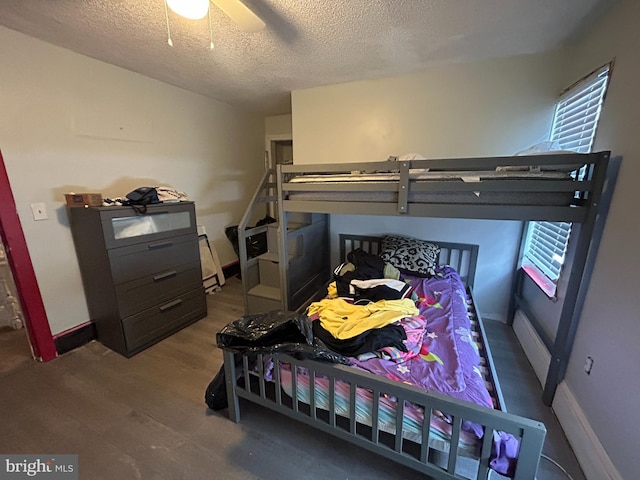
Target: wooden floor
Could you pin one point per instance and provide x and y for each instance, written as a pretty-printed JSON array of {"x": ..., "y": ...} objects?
[
  {"x": 523, "y": 396},
  {"x": 145, "y": 417},
  {"x": 14, "y": 349}
]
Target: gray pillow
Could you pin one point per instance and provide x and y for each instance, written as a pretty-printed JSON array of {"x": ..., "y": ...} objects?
[{"x": 410, "y": 255}]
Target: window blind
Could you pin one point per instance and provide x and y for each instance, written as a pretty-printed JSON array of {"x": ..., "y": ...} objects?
[
  {"x": 574, "y": 127},
  {"x": 547, "y": 246},
  {"x": 577, "y": 113}
]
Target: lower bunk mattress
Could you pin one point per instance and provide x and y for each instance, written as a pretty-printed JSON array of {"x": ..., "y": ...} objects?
[{"x": 410, "y": 425}]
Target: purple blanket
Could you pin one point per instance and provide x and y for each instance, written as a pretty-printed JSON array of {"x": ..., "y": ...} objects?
[{"x": 448, "y": 361}]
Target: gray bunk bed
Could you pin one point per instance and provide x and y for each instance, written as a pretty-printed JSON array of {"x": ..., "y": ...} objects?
[{"x": 454, "y": 188}]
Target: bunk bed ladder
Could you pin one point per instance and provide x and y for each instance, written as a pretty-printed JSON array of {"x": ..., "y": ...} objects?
[
  {"x": 288, "y": 275},
  {"x": 260, "y": 274}
]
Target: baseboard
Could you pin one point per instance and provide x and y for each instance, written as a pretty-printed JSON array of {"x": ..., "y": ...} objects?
[
  {"x": 74, "y": 338},
  {"x": 536, "y": 352},
  {"x": 590, "y": 453},
  {"x": 231, "y": 269}
]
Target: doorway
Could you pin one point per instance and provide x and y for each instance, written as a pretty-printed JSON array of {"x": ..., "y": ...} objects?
[
  {"x": 282, "y": 152},
  {"x": 279, "y": 151},
  {"x": 15, "y": 348},
  {"x": 27, "y": 293}
]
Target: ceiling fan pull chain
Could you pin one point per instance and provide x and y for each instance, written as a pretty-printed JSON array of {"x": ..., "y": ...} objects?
[
  {"x": 166, "y": 14},
  {"x": 210, "y": 32}
]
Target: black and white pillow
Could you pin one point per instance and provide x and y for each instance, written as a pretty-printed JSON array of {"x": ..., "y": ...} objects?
[{"x": 410, "y": 254}]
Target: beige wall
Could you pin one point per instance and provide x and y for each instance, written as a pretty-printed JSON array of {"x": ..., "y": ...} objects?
[
  {"x": 71, "y": 123},
  {"x": 277, "y": 125},
  {"x": 489, "y": 108},
  {"x": 609, "y": 328}
]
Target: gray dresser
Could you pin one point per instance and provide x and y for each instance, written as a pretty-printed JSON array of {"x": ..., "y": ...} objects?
[{"x": 141, "y": 272}]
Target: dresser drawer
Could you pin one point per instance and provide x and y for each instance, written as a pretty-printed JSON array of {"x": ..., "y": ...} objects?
[
  {"x": 152, "y": 290},
  {"x": 123, "y": 226},
  {"x": 152, "y": 258},
  {"x": 155, "y": 323}
]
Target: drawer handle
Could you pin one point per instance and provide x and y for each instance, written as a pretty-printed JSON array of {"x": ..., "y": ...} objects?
[
  {"x": 162, "y": 276},
  {"x": 167, "y": 306},
  {"x": 160, "y": 244}
]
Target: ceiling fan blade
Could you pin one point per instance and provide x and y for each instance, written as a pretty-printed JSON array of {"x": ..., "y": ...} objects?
[{"x": 241, "y": 14}]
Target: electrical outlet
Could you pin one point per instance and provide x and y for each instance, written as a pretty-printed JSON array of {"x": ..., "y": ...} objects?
[
  {"x": 39, "y": 211},
  {"x": 588, "y": 365}
]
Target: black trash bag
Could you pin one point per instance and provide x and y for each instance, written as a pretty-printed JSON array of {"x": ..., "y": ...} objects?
[
  {"x": 256, "y": 244},
  {"x": 216, "y": 394},
  {"x": 232, "y": 235},
  {"x": 277, "y": 331}
]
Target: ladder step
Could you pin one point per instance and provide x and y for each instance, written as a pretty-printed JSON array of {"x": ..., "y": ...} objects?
[
  {"x": 270, "y": 257},
  {"x": 265, "y": 291},
  {"x": 269, "y": 270}
]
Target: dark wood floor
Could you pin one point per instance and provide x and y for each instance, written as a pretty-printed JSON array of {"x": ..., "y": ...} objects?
[
  {"x": 14, "y": 349},
  {"x": 523, "y": 396},
  {"x": 145, "y": 417}
]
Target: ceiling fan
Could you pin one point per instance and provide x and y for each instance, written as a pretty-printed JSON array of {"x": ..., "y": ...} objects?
[{"x": 198, "y": 9}]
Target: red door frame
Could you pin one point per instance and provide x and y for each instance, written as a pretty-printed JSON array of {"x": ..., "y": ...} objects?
[{"x": 35, "y": 316}]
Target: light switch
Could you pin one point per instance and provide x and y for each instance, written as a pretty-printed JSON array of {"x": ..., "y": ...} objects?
[{"x": 39, "y": 211}]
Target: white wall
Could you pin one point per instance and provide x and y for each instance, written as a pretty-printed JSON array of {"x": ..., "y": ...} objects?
[
  {"x": 609, "y": 329},
  {"x": 71, "y": 123},
  {"x": 496, "y": 260},
  {"x": 277, "y": 125},
  {"x": 489, "y": 108}
]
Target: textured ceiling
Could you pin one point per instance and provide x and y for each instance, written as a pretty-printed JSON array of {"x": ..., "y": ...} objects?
[{"x": 305, "y": 43}]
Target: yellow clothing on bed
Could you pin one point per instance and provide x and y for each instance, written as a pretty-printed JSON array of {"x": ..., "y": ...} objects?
[
  {"x": 345, "y": 320},
  {"x": 332, "y": 290}
]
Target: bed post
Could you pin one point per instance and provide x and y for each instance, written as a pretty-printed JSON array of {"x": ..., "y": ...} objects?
[
  {"x": 283, "y": 247},
  {"x": 530, "y": 450},
  {"x": 604, "y": 178},
  {"x": 230, "y": 382}
]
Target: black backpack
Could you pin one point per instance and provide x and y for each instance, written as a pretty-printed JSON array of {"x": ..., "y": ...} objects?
[{"x": 141, "y": 197}]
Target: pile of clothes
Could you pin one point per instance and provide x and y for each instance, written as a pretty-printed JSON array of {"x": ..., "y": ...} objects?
[{"x": 368, "y": 310}]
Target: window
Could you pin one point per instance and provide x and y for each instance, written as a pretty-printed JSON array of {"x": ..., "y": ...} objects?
[
  {"x": 574, "y": 128},
  {"x": 577, "y": 113}
]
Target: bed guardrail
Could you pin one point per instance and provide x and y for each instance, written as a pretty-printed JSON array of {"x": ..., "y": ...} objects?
[
  {"x": 593, "y": 165},
  {"x": 261, "y": 391}
]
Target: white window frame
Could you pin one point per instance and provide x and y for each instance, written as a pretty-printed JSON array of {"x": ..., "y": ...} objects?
[{"x": 574, "y": 125}]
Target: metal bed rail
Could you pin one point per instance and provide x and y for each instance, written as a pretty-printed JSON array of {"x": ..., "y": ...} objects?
[
  {"x": 594, "y": 165},
  {"x": 463, "y": 257},
  {"x": 257, "y": 389}
]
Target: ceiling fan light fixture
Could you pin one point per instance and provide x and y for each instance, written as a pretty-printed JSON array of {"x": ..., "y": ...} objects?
[{"x": 193, "y": 9}]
